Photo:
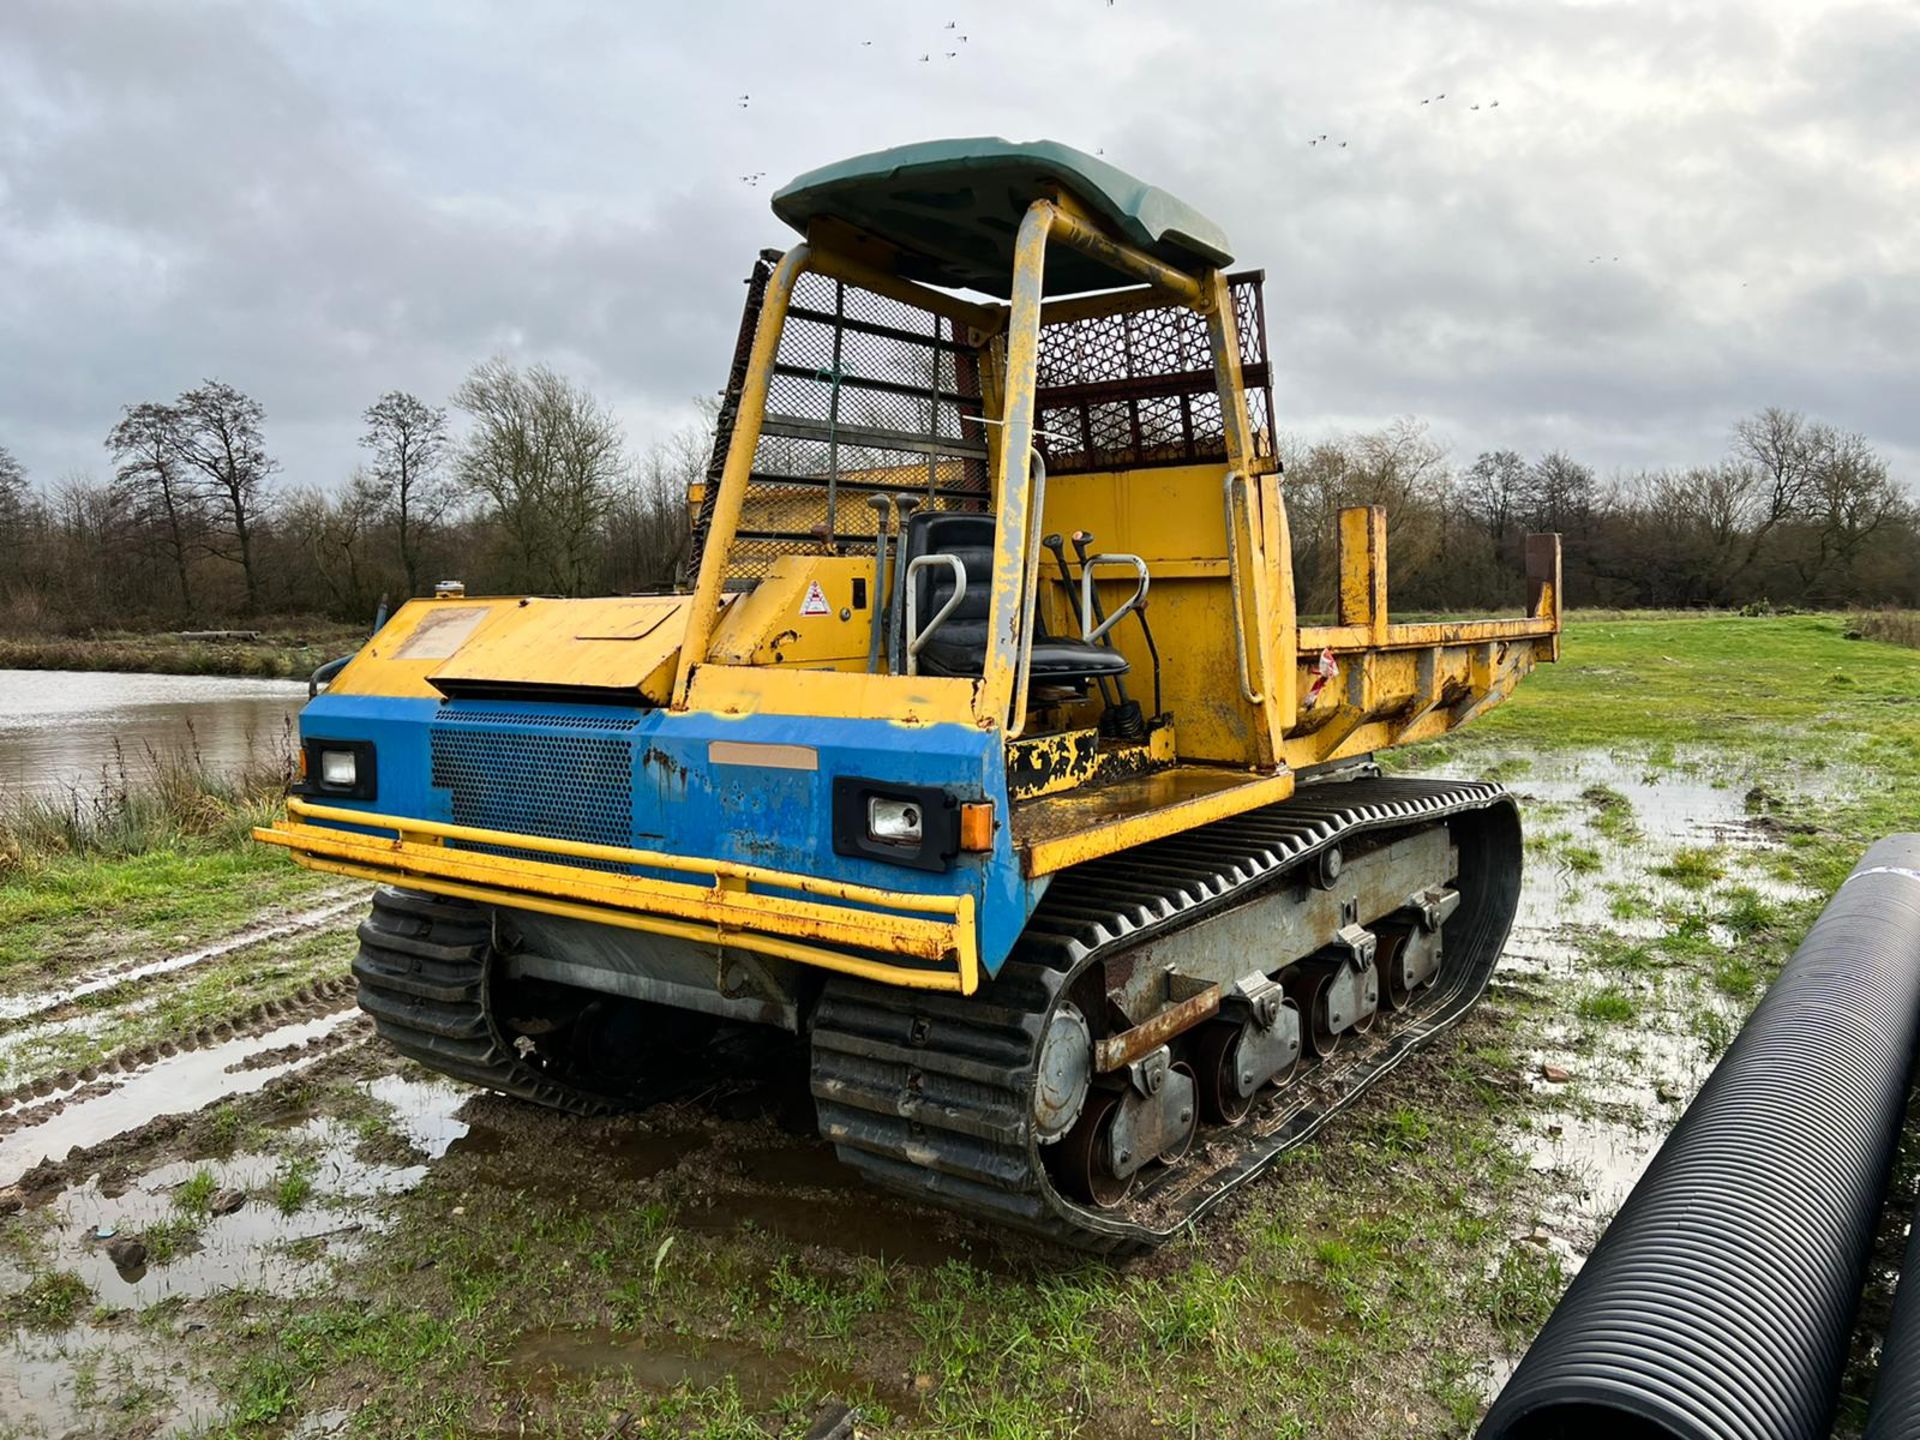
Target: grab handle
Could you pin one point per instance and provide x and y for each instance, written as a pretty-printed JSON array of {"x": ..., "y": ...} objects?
[
  {"x": 916, "y": 637},
  {"x": 1238, "y": 504}
]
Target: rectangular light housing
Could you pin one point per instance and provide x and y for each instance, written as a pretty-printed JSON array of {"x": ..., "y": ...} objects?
[
  {"x": 913, "y": 825},
  {"x": 336, "y": 769}
]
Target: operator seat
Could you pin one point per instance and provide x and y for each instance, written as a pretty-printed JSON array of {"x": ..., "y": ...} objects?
[{"x": 959, "y": 646}]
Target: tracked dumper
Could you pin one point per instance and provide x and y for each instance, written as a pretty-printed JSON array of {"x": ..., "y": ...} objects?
[{"x": 986, "y": 754}]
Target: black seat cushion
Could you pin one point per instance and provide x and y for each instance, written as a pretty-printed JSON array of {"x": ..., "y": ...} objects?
[{"x": 959, "y": 646}]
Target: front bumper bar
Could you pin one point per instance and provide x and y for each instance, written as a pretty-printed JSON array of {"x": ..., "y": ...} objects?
[{"x": 896, "y": 937}]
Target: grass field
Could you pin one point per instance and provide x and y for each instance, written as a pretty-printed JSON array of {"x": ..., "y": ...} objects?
[{"x": 412, "y": 1260}]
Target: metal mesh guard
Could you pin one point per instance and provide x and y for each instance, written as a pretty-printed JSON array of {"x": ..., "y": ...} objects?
[{"x": 882, "y": 396}]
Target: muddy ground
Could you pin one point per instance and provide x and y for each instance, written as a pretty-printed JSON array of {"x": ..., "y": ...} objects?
[{"x": 230, "y": 1211}]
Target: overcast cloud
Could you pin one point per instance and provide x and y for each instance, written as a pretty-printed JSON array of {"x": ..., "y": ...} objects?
[{"x": 318, "y": 202}]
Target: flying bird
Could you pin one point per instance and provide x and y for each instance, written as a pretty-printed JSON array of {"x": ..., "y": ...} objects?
[
  {"x": 951, "y": 25},
  {"x": 1493, "y": 105},
  {"x": 925, "y": 58},
  {"x": 1473, "y": 107}
]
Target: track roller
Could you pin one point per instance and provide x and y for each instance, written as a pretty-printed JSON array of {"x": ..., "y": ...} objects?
[
  {"x": 1256, "y": 1043},
  {"x": 1124, "y": 1128}
]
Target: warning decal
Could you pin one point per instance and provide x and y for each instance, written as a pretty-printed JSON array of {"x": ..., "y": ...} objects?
[{"x": 816, "y": 601}]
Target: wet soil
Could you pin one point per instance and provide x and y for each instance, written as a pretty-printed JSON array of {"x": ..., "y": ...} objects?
[{"x": 354, "y": 1168}]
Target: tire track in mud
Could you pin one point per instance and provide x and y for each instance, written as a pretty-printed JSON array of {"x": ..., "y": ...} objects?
[
  {"x": 40, "y": 1006},
  {"x": 48, "y": 1118}
]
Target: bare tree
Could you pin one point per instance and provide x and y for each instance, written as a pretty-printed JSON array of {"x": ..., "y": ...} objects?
[
  {"x": 339, "y": 530},
  {"x": 13, "y": 494},
  {"x": 1560, "y": 492},
  {"x": 648, "y": 524},
  {"x": 1783, "y": 452},
  {"x": 546, "y": 457},
  {"x": 1850, "y": 496},
  {"x": 408, "y": 439},
  {"x": 151, "y": 476},
  {"x": 219, "y": 438},
  {"x": 1493, "y": 489}
]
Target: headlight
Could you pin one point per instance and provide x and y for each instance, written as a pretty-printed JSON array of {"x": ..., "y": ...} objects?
[
  {"x": 338, "y": 769},
  {"x": 916, "y": 825},
  {"x": 893, "y": 822}
]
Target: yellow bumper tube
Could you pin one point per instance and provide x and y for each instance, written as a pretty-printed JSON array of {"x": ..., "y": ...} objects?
[{"x": 722, "y": 902}]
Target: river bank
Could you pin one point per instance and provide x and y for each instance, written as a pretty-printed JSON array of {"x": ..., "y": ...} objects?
[{"x": 279, "y": 653}]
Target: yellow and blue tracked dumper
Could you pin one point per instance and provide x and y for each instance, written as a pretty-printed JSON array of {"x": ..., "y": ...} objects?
[{"x": 986, "y": 753}]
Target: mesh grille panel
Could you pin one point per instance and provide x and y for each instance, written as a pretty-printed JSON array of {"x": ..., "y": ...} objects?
[
  {"x": 563, "y": 787},
  {"x": 1122, "y": 391},
  {"x": 869, "y": 395}
]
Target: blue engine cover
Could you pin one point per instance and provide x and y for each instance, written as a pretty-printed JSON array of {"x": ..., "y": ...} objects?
[{"x": 646, "y": 779}]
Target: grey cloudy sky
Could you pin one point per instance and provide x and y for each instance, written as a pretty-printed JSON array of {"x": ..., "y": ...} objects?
[{"x": 321, "y": 201}]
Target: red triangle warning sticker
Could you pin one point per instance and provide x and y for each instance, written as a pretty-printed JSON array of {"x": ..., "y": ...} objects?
[{"x": 816, "y": 601}]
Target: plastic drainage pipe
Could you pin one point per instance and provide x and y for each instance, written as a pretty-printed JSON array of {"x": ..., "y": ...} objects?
[
  {"x": 1720, "y": 1302},
  {"x": 1895, "y": 1412}
]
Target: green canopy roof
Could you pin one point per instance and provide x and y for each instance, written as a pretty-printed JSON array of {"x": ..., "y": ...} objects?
[{"x": 952, "y": 208}]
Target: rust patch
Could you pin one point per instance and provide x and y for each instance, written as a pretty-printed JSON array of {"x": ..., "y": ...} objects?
[{"x": 1150, "y": 1035}]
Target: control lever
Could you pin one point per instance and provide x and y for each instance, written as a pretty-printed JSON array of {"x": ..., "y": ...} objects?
[
  {"x": 1082, "y": 544},
  {"x": 1124, "y": 719},
  {"x": 1058, "y": 546}
]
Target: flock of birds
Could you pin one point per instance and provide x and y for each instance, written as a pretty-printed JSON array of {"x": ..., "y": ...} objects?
[
  {"x": 956, "y": 38},
  {"x": 1318, "y": 140}
]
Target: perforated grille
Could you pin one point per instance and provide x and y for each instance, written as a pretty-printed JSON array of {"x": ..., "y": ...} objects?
[
  {"x": 544, "y": 722},
  {"x": 1125, "y": 391},
  {"x": 563, "y": 787}
]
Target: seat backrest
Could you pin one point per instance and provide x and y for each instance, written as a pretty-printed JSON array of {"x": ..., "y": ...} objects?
[{"x": 968, "y": 537}]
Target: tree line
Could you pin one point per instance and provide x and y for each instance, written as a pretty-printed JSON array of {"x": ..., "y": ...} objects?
[
  {"x": 541, "y": 493},
  {"x": 1794, "y": 513}
]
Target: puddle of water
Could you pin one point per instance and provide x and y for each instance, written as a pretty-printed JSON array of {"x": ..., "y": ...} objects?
[
  {"x": 61, "y": 1384},
  {"x": 177, "y": 1085},
  {"x": 1638, "y": 1074},
  {"x": 257, "y": 1246},
  {"x": 25, "y": 1007},
  {"x": 424, "y": 1111}
]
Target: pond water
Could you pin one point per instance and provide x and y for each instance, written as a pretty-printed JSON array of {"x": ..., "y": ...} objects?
[{"x": 59, "y": 728}]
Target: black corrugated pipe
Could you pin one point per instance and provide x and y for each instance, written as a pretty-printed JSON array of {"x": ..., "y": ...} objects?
[
  {"x": 1895, "y": 1412},
  {"x": 1719, "y": 1304}
]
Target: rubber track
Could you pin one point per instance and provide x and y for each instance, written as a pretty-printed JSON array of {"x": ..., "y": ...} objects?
[
  {"x": 422, "y": 973},
  {"x": 928, "y": 1094}
]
